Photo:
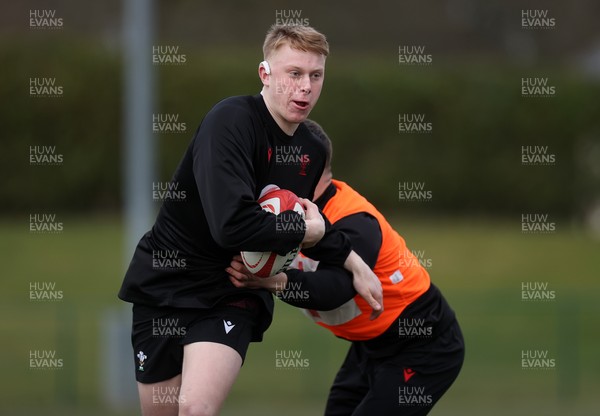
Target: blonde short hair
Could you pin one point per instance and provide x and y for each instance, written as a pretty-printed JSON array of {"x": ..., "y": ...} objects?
[{"x": 303, "y": 38}]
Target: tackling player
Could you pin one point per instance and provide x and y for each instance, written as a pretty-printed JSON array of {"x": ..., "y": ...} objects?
[
  {"x": 405, "y": 361},
  {"x": 232, "y": 156}
]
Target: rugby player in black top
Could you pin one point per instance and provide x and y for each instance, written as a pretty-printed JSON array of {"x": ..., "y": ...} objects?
[{"x": 191, "y": 325}]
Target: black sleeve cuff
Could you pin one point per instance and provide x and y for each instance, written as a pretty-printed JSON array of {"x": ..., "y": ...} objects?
[
  {"x": 333, "y": 248},
  {"x": 326, "y": 289}
]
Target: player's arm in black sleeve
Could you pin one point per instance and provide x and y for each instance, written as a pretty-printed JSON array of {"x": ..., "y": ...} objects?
[
  {"x": 331, "y": 286},
  {"x": 333, "y": 248},
  {"x": 223, "y": 152}
]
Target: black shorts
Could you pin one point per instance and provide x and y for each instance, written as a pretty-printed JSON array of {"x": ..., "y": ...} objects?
[
  {"x": 399, "y": 385},
  {"x": 159, "y": 333}
]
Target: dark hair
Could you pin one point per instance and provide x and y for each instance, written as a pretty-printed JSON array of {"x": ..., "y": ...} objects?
[{"x": 318, "y": 131}]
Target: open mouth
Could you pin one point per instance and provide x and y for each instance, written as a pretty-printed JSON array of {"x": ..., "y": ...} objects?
[{"x": 302, "y": 105}]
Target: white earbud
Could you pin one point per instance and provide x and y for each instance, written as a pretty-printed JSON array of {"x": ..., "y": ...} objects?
[{"x": 265, "y": 65}]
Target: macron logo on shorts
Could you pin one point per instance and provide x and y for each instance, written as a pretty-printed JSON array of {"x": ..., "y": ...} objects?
[{"x": 228, "y": 326}]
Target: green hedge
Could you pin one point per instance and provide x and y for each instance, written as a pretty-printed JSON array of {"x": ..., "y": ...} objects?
[
  {"x": 470, "y": 161},
  {"x": 84, "y": 124}
]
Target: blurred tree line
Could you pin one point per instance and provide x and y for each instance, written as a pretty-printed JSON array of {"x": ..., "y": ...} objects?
[{"x": 469, "y": 158}]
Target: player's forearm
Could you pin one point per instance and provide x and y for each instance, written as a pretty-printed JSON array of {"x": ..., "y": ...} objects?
[
  {"x": 333, "y": 248},
  {"x": 263, "y": 231},
  {"x": 253, "y": 229},
  {"x": 353, "y": 261},
  {"x": 323, "y": 290},
  {"x": 235, "y": 220}
]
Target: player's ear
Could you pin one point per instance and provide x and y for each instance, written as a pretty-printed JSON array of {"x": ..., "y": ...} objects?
[{"x": 264, "y": 72}]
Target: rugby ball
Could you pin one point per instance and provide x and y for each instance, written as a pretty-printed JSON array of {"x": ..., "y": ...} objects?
[{"x": 268, "y": 263}]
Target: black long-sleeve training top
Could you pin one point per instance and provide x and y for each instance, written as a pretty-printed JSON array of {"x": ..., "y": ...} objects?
[{"x": 236, "y": 151}]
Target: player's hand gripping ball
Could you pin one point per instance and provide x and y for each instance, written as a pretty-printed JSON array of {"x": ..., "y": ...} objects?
[{"x": 268, "y": 263}]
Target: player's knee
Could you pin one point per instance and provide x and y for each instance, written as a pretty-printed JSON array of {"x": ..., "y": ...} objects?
[{"x": 196, "y": 408}]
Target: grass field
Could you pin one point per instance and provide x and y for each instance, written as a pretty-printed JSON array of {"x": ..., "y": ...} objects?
[{"x": 479, "y": 265}]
